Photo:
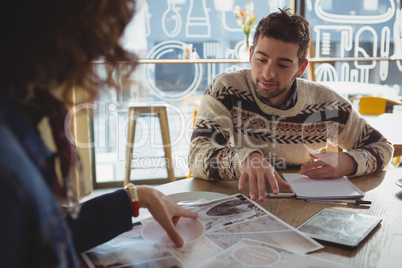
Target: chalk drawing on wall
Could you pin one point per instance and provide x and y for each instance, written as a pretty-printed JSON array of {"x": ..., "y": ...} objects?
[
  {"x": 197, "y": 22},
  {"x": 362, "y": 42},
  {"x": 362, "y": 52},
  {"x": 324, "y": 36},
  {"x": 398, "y": 37},
  {"x": 157, "y": 52},
  {"x": 384, "y": 52},
  {"x": 147, "y": 18},
  {"x": 345, "y": 69},
  {"x": 224, "y": 7},
  {"x": 211, "y": 50},
  {"x": 171, "y": 20},
  {"x": 326, "y": 72},
  {"x": 359, "y": 19}
]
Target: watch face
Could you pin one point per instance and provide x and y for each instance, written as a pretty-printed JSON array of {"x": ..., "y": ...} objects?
[{"x": 132, "y": 190}]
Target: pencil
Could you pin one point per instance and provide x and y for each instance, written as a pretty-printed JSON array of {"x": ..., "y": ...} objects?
[{"x": 349, "y": 202}]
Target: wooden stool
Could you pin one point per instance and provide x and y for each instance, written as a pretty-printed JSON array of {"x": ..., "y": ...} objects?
[{"x": 160, "y": 111}]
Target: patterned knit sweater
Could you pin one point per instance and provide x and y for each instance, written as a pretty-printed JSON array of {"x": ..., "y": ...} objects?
[{"x": 232, "y": 123}]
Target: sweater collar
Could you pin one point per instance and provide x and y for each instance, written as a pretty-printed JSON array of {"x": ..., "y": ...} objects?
[{"x": 288, "y": 104}]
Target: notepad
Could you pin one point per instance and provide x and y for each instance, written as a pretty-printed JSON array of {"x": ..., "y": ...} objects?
[{"x": 308, "y": 188}]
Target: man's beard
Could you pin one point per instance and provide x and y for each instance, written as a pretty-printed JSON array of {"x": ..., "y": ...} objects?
[{"x": 273, "y": 93}]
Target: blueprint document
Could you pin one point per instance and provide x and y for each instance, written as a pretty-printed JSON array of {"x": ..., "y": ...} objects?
[{"x": 238, "y": 233}]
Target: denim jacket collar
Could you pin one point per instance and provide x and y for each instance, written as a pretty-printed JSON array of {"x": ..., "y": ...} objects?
[{"x": 33, "y": 145}]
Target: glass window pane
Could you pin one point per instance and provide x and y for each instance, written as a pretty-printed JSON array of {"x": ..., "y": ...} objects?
[{"x": 164, "y": 30}]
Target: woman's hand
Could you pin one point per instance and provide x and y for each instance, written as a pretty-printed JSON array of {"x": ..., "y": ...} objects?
[{"x": 164, "y": 210}]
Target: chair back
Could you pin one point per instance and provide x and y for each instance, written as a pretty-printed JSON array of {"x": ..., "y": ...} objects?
[{"x": 375, "y": 105}]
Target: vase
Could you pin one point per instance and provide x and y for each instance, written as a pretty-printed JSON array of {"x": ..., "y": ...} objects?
[
  {"x": 244, "y": 53},
  {"x": 244, "y": 50},
  {"x": 247, "y": 41}
]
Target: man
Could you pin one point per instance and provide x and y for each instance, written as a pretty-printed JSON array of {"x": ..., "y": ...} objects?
[{"x": 252, "y": 121}]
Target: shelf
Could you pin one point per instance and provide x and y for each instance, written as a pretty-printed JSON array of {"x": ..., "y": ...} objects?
[{"x": 239, "y": 61}]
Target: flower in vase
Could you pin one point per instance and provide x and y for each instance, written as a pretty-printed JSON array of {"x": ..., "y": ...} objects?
[{"x": 245, "y": 18}]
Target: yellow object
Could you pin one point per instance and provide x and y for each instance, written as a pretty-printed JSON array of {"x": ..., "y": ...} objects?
[
  {"x": 375, "y": 105},
  {"x": 396, "y": 162}
]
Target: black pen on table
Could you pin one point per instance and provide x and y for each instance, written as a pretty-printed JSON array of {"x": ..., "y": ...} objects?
[{"x": 341, "y": 201}]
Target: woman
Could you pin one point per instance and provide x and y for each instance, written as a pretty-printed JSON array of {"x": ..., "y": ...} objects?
[{"x": 47, "y": 50}]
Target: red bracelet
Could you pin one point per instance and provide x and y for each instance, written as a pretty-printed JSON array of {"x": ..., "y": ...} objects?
[{"x": 132, "y": 190}]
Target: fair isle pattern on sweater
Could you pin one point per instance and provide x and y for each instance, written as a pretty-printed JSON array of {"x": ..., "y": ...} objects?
[{"x": 232, "y": 123}]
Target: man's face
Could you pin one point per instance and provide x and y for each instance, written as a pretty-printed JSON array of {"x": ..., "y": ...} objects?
[{"x": 274, "y": 67}]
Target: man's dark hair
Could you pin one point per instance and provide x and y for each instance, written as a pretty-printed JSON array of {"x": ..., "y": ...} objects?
[{"x": 287, "y": 27}]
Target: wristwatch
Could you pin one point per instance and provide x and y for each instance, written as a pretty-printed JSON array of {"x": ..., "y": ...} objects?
[{"x": 133, "y": 195}]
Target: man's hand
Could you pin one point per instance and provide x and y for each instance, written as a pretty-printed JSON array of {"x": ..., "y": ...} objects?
[
  {"x": 257, "y": 170},
  {"x": 329, "y": 165}
]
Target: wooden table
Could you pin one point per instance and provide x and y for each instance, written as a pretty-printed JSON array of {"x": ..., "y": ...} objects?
[{"x": 380, "y": 188}]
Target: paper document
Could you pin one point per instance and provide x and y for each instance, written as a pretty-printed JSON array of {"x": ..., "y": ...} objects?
[
  {"x": 308, "y": 188},
  {"x": 227, "y": 221}
]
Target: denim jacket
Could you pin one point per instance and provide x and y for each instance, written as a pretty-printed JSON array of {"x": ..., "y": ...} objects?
[{"x": 33, "y": 230}]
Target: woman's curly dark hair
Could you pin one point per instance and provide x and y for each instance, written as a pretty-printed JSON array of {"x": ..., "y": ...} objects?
[{"x": 54, "y": 42}]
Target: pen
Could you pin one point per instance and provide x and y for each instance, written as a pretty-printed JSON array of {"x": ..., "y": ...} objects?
[
  {"x": 280, "y": 195},
  {"x": 349, "y": 202}
]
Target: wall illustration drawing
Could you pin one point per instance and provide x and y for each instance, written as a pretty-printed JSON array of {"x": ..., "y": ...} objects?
[
  {"x": 362, "y": 52},
  {"x": 207, "y": 29},
  {"x": 358, "y": 29},
  {"x": 171, "y": 20},
  {"x": 157, "y": 86},
  {"x": 341, "y": 28},
  {"x": 324, "y": 34},
  {"x": 343, "y": 17},
  {"x": 208, "y": 25},
  {"x": 197, "y": 22}
]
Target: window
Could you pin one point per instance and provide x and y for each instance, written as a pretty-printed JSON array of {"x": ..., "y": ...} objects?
[
  {"x": 365, "y": 29},
  {"x": 164, "y": 30}
]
